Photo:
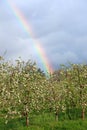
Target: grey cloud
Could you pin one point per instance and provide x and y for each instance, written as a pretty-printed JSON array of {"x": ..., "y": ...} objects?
[{"x": 61, "y": 27}]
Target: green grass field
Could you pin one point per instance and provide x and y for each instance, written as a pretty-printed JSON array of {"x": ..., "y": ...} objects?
[{"x": 44, "y": 122}]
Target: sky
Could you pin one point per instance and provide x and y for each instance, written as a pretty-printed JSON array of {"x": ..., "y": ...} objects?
[{"x": 60, "y": 26}]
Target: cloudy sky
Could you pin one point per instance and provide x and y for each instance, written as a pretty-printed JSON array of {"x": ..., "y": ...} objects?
[{"x": 59, "y": 25}]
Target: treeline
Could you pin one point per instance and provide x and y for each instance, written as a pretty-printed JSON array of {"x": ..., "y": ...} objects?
[{"x": 25, "y": 89}]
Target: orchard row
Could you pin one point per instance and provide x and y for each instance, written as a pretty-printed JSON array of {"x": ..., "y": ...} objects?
[{"x": 25, "y": 89}]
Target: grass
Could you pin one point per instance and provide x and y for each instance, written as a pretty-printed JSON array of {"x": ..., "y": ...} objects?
[{"x": 44, "y": 121}]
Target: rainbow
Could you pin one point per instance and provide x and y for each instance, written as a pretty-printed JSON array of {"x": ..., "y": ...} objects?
[{"x": 36, "y": 43}]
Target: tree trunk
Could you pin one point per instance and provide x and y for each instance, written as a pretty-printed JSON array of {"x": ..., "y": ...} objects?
[
  {"x": 83, "y": 113},
  {"x": 27, "y": 119},
  {"x": 56, "y": 116}
]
